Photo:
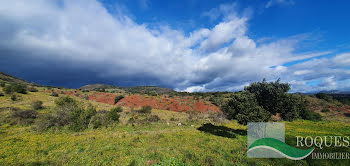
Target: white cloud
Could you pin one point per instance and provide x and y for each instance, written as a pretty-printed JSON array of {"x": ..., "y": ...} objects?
[{"x": 83, "y": 33}]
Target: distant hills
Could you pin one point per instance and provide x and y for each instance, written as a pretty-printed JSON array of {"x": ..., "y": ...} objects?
[
  {"x": 12, "y": 79},
  {"x": 134, "y": 89},
  {"x": 335, "y": 92}
]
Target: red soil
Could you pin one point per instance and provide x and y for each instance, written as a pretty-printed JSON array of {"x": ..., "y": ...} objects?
[
  {"x": 173, "y": 104},
  {"x": 178, "y": 104}
]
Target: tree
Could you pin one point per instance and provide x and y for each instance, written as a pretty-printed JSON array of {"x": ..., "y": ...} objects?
[
  {"x": 260, "y": 100},
  {"x": 244, "y": 107},
  {"x": 270, "y": 95}
]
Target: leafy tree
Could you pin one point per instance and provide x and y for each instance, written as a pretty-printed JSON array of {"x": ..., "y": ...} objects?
[
  {"x": 260, "y": 100},
  {"x": 244, "y": 107},
  {"x": 270, "y": 95}
]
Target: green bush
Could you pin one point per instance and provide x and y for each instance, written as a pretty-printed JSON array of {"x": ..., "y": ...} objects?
[
  {"x": 37, "y": 105},
  {"x": 113, "y": 114},
  {"x": 116, "y": 99},
  {"x": 100, "y": 119},
  {"x": 19, "y": 88},
  {"x": 310, "y": 115},
  {"x": 32, "y": 89},
  {"x": 153, "y": 118},
  {"x": 80, "y": 118},
  {"x": 269, "y": 95},
  {"x": 1, "y": 94},
  {"x": 68, "y": 114},
  {"x": 101, "y": 90},
  {"x": 66, "y": 100},
  {"x": 2, "y": 84},
  {"x": 54, "y": 94},
  {"x": 145, "y": 110},
  {"x": 324, "y": 96},
  {"x": 24, "y": 117},
  {"x": 244, "y": 107},
  {"x": 325, "y": 110},
  {"x": 14, "y": 97},
  {"x": 292, "y": 105}
]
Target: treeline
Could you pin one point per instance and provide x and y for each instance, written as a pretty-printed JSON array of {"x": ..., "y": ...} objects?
[{"x": 342, "y": 98}]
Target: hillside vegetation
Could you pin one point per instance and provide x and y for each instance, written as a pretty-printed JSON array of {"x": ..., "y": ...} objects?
[{"x": 57, "y": 126}]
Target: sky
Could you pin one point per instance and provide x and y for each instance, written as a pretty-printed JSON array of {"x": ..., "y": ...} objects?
[{"x": 186, "y": 45}]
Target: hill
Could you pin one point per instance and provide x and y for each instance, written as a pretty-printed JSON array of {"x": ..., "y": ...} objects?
[
  {"x": 11, "y": 79},
  {"x": 135, "y": 89},
  {"x": 97, "y": 86}
]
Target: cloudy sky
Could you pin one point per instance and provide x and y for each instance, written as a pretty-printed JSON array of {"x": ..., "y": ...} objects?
[{"x": 188, "y": 45}]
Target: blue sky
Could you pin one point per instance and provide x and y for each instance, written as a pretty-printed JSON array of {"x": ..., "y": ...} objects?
[{"x": 188, "y": 45}]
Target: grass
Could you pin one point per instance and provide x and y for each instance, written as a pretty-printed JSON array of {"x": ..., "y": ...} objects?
[{"x": 158, "y": 143}]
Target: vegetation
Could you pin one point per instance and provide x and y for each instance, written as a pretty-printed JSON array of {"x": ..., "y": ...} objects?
[
  {"x": 261, "y": 100},
  {"x": 245, "y": 108},
  {"x": 113, "y": 114},
  {"x": 23, "y": 117},
  {"x": 75, "y": 131},
  {"x": 145, "y": 110},
  {"x": 2, "y": 84},
  {"x": 32, "y": 89},
  {"x": 116, "y": 99},
  {"x": 54, "y": 94},
  {"x": 19, "y": 88},
  {"x": 14, "y": 97},
  {"x": 37, "y": 105}
]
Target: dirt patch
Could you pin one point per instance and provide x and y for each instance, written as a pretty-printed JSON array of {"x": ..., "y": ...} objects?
[
  {"x": 164, "y": 103},
  {"x": 178, "y": 104}
]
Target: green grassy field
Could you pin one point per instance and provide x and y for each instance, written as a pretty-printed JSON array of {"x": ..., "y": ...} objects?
[{"x": 156, "y": 143}]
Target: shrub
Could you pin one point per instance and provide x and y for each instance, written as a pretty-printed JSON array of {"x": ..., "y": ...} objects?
[
  {"x": 100, "y": 119},
  {"x": 13, "y": 97},
  {"x": 153, "y": 118},
  {"x": 113, "y": 114},
  {"x": 325, "y": 110},
  {"x": 244, "y": 107},
  {"x": 24, "y": 117},
  {"x": 117, "y": 109},
  {"x": 32, "y": 89},
  {"x": 324, "y": 96},
  {"x": 71, "y": 115},
  {"x": 1, "y": 94},
  {"x": 269, "y": 95},
  {"x": 66, "y": 100},
  {"x": 36, "y": 105},
  {"x": 80, "y": 118},
  {"x": 292, "y": 105},
  {"x": 101, "y": 90},
  {"x": 19, "y": 88},
  {"x": 54, "y": 94},
  {"x": 2, "y": 84},
  {"x": 145, "y": 110},
  {"x": 310, "y": 115},
  {"x": 116, "y": 99}
]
